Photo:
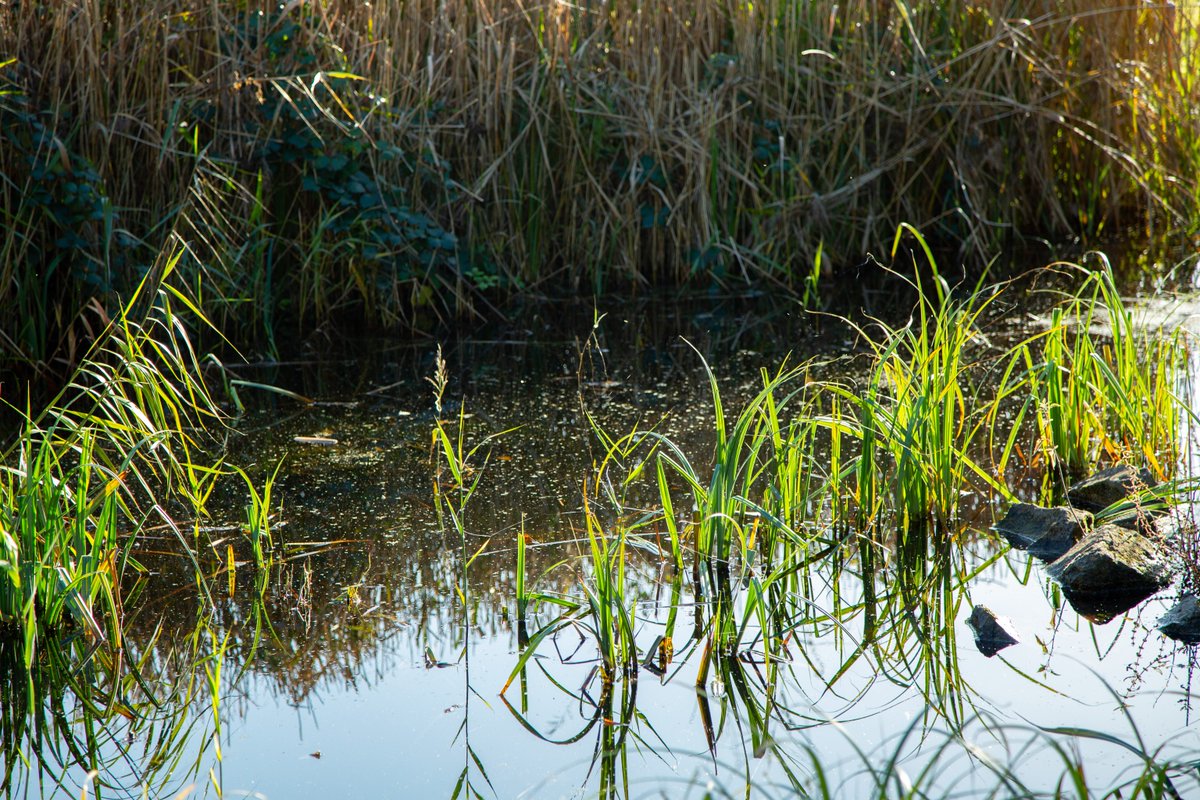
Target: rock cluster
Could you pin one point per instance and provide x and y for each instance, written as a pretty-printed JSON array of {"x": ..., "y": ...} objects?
[
  {"x": 1047, "y": 533},
  {"x": 1103, "y": 570}
]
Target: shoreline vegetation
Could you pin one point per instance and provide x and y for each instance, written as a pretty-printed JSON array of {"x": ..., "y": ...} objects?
[
  {"x": 870, "y": 484},
  {"x": 175, "y": 172},
  {"x": 403, "y": 162}
]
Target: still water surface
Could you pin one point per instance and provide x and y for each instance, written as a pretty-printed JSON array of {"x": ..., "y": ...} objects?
[{"x": 358, "y": 684}]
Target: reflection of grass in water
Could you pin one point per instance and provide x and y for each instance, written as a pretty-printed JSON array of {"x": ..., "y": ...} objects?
[
  {"x": 84, "y": 717},
  {"x": 824, "y": 503},
  {"x": 982, "y": 756}
]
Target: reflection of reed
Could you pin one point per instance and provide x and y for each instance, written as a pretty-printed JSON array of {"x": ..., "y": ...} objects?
[
  {"x": 81, "y": 719},
  {"x": 319, "y": 623},
  {"x": 752, "y": 700}
]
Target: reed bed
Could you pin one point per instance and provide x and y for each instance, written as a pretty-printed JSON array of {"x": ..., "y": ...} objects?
[
  {"x": 402, "y": 158},
  {"x": 839, "y": 508}
]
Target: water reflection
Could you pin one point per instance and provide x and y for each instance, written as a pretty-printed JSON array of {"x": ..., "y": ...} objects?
[
  {"x": 369, "y": 642},
  {"x": 87, "y": 721}
]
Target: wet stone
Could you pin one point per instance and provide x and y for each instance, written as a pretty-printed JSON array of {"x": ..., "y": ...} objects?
[
  {"x": 1109, "y": 571},
  {"x": 1182, "y": 621},
  {"x": 992, "y": 633},
  {"x": 1108, "y": 486},
  {"x": 1046, "y": 533}
]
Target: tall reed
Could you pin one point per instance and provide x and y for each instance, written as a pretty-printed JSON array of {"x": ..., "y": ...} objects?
[{"x": 401, "y": 158}]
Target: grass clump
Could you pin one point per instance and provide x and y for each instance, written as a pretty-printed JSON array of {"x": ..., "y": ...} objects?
[
  {"x": 1106, "y": 386},
  {"x": 60, "y": 539},
  {"x": 113, "y": 450},
  {"x": 825, "y": 503},
  {"x": 918, "y": 419}
]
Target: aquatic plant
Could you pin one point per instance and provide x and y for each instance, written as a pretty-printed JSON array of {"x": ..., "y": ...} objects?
[
  {"x": 456, "y": 477},
  {"x": 605, "y": 594},
  {"x": 258, "y": 517},
  {"x": 522, "y": 594},
  {"x": 727, "y": 491},
  {"x": 1104, "y": 385},
  {"x": 61, "y": 544},
  {"x": 920, "y": 414},
  {"x": 1063, "y": 386},
  {"x": 112, "y": 450}
]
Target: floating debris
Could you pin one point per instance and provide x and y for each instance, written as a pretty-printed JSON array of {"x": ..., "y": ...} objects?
[{"x": 321, "y": 441}]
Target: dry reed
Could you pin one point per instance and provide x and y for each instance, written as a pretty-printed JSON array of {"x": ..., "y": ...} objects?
[{"x": 597, "y": 144}]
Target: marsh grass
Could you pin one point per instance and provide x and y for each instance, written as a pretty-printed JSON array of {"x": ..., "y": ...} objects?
[
  {"x": 61, "y": 545},
  {"x": 115, "y": 448},
  {"x": 922, "y": 411},
  {"x": 606, "y": 592},
  {"x": 1106, "y": 386},
  {"x": 400, "y": 160},
  {"x": 258, "y": 517},
  {"x": 457, "y": 472},
  {"x": 834, "y": 509}
]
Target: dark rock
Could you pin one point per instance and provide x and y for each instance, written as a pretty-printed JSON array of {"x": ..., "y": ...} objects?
[
  {"x": 992, "y": 633},
  {"x": 1182, "y": 622},
  {"x": 1109, "y": 571},
  {"x": 1109, "y": 486},
  {"x": 1047, "y": 533}
]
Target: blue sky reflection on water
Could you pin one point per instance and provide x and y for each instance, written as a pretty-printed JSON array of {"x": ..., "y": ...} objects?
[{"x": 398, "y": 734}]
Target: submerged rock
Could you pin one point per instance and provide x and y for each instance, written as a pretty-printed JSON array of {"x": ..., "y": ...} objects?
[
  {"x": 1047, "y": 533},
  {"x": 1182, "y": 622},
  {"x": 992, "y": 633},
  {"x": 1109, "y": 571},
  {"x": 1109, "y": 486}
]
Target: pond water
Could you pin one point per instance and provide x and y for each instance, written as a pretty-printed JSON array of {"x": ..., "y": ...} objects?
[{"x": 352, "y": 667}]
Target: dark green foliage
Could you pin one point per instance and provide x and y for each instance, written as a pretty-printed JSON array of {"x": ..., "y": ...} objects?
[{"x": 63, "y": 245}]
